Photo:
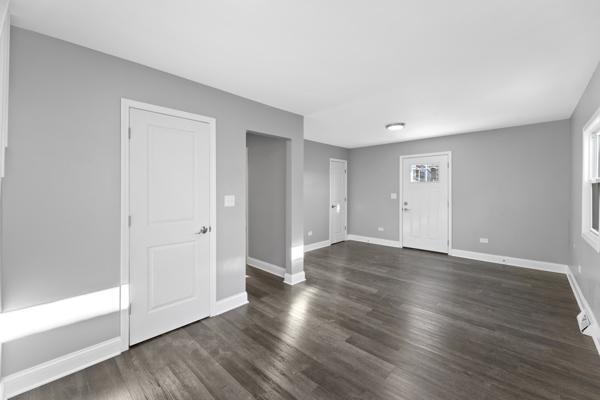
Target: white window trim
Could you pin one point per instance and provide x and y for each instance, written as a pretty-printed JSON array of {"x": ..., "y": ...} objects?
[{"x": 587, "y": 233}]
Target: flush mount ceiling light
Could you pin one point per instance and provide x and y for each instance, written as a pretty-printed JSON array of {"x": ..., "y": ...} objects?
[{"x": 395, "y": 126}]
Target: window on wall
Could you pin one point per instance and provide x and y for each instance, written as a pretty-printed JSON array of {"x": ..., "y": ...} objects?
[
  {"x": 590, "y": 214},
  {"x": 424, "y": 173}
]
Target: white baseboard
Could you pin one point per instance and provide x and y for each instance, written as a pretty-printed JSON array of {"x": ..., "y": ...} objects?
[
  {"x": 381, "y": 242},
  {"x": 317, "y": 245},
  {"x": 23, "y": 381},
  {"x": 594, "y": 329},
  {"x": 265, "y": 266},
  {"x": 2, "y": 391},
  {"x": 231, "y": 302},
  {"x": 293, "y": 279},
  {"x": 513, "y": 261}
]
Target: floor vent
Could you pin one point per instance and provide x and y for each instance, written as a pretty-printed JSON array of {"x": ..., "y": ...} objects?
[{"x": 584, "y": 324}]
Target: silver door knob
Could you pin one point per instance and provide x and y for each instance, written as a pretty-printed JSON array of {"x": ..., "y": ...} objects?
[{"x": 202, "y": 231}]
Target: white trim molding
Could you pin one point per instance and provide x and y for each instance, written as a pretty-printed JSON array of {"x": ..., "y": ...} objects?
[
  {"x": 316, "y": 245},
  {"x": 294, "y": 279},
  {"x": 4, "y": 81},
  {"x": 23, "y": 381},
  {"x": 126, "y": 106},
  {"x": 584, "y": 306},
  {"x": 265, "y": 266},
  {"x": 512, "y": 261},
  {"x": 373, "y": 240},
  {"x": 229, "y": 303}
]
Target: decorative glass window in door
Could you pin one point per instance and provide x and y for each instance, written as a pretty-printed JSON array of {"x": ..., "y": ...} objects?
[{"x": 424, "y": 173}]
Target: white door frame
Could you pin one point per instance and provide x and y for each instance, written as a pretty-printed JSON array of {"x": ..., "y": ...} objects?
[
  {"x": 345, "y": 196},
  {"x": 126, "y": 106},
  {"x": 401, "y": 191}
]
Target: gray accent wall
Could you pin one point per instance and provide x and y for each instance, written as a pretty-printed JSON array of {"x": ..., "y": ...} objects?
[
  {"x": 316, "y": 188},
  {"x": 582, "y": 254},
  {"x": 266, "y": 198},
  {"x": 62, "y": 187},
  {"x": 510, "y": 185}
]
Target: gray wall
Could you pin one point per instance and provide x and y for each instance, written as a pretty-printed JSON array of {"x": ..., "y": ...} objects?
[
  {"x": 266, "y": 198},
  {"x": 62, "y": 187},
  {"x": 509, "y": 185},
  {"x": 581, "y": 252},
  {"x": 316, "y": 188}
]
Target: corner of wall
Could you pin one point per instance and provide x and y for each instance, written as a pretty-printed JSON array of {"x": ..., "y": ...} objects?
[{"x": 584, "y": 306}]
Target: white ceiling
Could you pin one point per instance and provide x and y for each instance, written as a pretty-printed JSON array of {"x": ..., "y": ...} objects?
[{"x": 352, "y": 66}]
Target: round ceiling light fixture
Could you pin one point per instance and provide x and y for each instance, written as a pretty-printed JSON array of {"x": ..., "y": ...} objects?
[{"x": 395, "y": 126}]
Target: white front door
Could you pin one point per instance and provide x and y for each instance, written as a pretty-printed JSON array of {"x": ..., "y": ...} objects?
[
  {"x": 425, "y": 202},
  {"x": 170, "y": 161},
  {"x": 337, "y": 197}
]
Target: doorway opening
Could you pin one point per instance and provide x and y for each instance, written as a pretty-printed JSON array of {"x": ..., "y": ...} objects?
[
  {"x": 267, "y": 184},
  {"x": 168, "y": 216},
  {"x": 426, "y": 201},
  {"x": 338, "y": 200}
]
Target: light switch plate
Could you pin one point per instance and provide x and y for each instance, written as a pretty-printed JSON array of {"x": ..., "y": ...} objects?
[
  {"x": 393, "y": 196},
  {"x": 229, "y": 200}
]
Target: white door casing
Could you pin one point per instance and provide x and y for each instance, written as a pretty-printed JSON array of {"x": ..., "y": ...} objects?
[
  {"x": 337, "y": 200},
  {"x": 425, "y": 202},
  {"x": 170, "y": 230}
]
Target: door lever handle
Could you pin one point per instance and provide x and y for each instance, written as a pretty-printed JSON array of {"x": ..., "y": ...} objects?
[
  {"x": 405, "y": 209},
  {"x": 333, "y": 206},
  {"x": 202, "y": 231}
]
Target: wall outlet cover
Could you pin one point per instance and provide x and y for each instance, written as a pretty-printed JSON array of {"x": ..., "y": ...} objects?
[
  {"x": 309, "y": 233},
  {"x": 380, "y": 229},
  {"x": 483, "y": 240},
  {"x": 393, "y": 196}
]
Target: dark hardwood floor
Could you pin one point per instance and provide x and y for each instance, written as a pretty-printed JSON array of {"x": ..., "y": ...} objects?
[{"x": 371, "y": 322}]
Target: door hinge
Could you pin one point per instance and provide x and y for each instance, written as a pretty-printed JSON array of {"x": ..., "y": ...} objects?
[
  {"x": 129, "y": 133},
  {"x": 129, "y": 221}
]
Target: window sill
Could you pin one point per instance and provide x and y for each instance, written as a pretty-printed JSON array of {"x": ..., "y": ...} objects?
[{"x": 592, "y": 239}]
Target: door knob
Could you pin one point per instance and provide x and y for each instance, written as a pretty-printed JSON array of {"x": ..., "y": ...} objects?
[
  {"x": 202, "y": 231},
  {"x": 333, "y": 206}
]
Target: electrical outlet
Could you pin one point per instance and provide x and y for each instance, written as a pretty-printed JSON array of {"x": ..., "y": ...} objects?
[
  {"x": 380, "y": 229},
  {"x": 393, "y": 196},
  {"x": 483, "y": 240},
  {"x": 579, "y": 269},
  {"x": 309, "y": 233}
]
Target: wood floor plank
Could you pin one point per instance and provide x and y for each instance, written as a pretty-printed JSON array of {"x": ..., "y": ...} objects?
[{"x": 370, "y": 322}]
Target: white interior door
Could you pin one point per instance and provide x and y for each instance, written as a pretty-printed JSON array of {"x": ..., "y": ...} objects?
[
  {"x": 425, "y": 202},
  {"x": 170, "y": 160},
  {"x": 337, "y": 197}
]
